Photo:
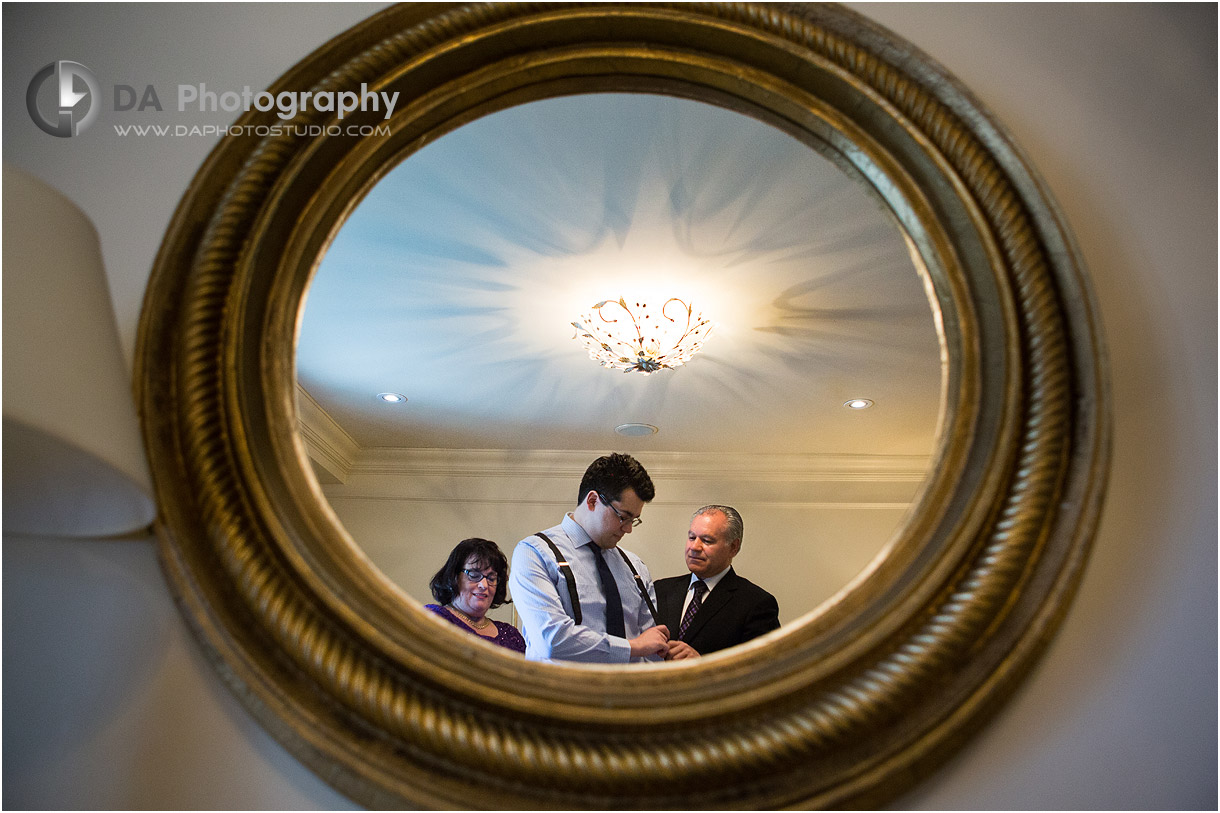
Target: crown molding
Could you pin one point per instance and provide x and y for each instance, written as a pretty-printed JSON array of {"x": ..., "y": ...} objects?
[
  {"x": 332, "y": 451},
  {"x": 339, "y": 460},
  {"x": 568, "y": 465}
]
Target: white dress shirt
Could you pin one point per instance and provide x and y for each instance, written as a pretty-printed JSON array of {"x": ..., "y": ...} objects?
[
  {"x": 709, "y": 582},
  {"x": 540, "y": 596}
]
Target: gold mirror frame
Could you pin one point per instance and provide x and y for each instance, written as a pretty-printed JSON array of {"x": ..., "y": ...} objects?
[{"x": 847, "y": 706}]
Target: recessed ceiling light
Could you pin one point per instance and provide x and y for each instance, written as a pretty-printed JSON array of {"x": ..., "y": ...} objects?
[
  {"x": 635, "y": 430},
  {"x": 858, "y": 403},
  {"x": 392, "y": 397}
]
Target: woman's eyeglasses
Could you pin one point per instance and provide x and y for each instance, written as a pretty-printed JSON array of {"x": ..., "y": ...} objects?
[{"x": 477, "y": 576}]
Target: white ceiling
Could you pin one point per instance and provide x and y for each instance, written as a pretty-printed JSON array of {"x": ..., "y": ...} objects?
[{"x": 455, "y": 282}]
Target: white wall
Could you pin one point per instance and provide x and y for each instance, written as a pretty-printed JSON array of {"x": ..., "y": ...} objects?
[{"x": 108, "y": 705}]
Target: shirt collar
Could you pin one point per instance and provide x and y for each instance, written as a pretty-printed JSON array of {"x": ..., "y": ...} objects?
[
  {"x": 712, "y": 581},
  {"x": 579, "y": 536}
]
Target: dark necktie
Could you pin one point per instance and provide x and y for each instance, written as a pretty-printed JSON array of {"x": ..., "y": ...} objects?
[
  {"x": 614, "y": 602},
  {"x": 695, "y": 603}
]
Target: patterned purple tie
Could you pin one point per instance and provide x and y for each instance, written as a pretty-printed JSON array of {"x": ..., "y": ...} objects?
[{"x": 695, "y": 602}]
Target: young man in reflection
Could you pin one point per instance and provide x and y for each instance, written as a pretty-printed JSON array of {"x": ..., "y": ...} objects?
[
  {"x": 576, "y": 591},
  {"x": 713, "y": 608}
]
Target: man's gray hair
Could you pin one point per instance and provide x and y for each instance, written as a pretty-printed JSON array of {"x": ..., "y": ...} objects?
[{"x": 737, "y": 528}]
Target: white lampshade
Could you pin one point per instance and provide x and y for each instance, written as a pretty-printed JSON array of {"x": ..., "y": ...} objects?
[{"x": 74, "y": 462}]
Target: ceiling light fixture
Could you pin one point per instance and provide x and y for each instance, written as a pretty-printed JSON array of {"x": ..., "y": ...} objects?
[
  {"x": 392, "y": 397},
  {"x": 643, "y": 339},
  {"x": 636, "y": 430},
  {"x": 858, "y": 403}
]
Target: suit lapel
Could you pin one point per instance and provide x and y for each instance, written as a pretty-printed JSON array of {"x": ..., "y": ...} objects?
[
  {"x": 669, "y": 604},
  {"x": 712, "y": 604}
]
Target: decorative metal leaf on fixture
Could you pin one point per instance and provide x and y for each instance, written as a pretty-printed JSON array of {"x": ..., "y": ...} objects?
[{"x": 638, "y": 340}]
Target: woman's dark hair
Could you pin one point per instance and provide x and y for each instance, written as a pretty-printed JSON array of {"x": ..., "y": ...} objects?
[{"x": 487, "y": 554}]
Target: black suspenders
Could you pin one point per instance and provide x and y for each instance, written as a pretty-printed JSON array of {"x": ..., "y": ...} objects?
[
  {"x": 639, "y": 583},
  {"x": 570, "y": 578}
]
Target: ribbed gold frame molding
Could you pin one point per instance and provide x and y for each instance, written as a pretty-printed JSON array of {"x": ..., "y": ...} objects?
[{"x": 846, "y": 707}]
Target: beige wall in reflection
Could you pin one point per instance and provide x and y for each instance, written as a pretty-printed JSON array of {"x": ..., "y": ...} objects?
[
  {"x": 804, "y": 541},
  {"x": 109, "y": 704}
]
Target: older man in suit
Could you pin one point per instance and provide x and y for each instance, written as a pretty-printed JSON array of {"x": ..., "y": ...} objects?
[{"x": 713, "y": 608}]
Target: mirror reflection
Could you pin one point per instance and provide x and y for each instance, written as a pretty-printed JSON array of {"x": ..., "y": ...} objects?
[{"x": 453, "y": 287}]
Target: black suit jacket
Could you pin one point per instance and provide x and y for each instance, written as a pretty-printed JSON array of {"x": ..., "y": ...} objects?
[{"x": 735, "y": 612}]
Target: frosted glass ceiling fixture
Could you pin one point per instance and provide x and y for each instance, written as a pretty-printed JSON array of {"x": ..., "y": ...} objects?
[
  {"x": 642, "y": 338},
  {"x": 636, "y": 430}
]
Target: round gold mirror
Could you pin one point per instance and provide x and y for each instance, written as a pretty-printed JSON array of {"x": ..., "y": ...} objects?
[{"x": 846, "y": 706}]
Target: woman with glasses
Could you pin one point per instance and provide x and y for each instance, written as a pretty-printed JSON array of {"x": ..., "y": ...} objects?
[{"x": 474, "y": 580}]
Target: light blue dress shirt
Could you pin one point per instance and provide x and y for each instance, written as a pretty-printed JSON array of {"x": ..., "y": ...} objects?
[{"x": 540, "y": 596}]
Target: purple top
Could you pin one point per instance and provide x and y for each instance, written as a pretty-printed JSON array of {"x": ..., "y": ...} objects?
[{"x": 507, "y": 635}]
